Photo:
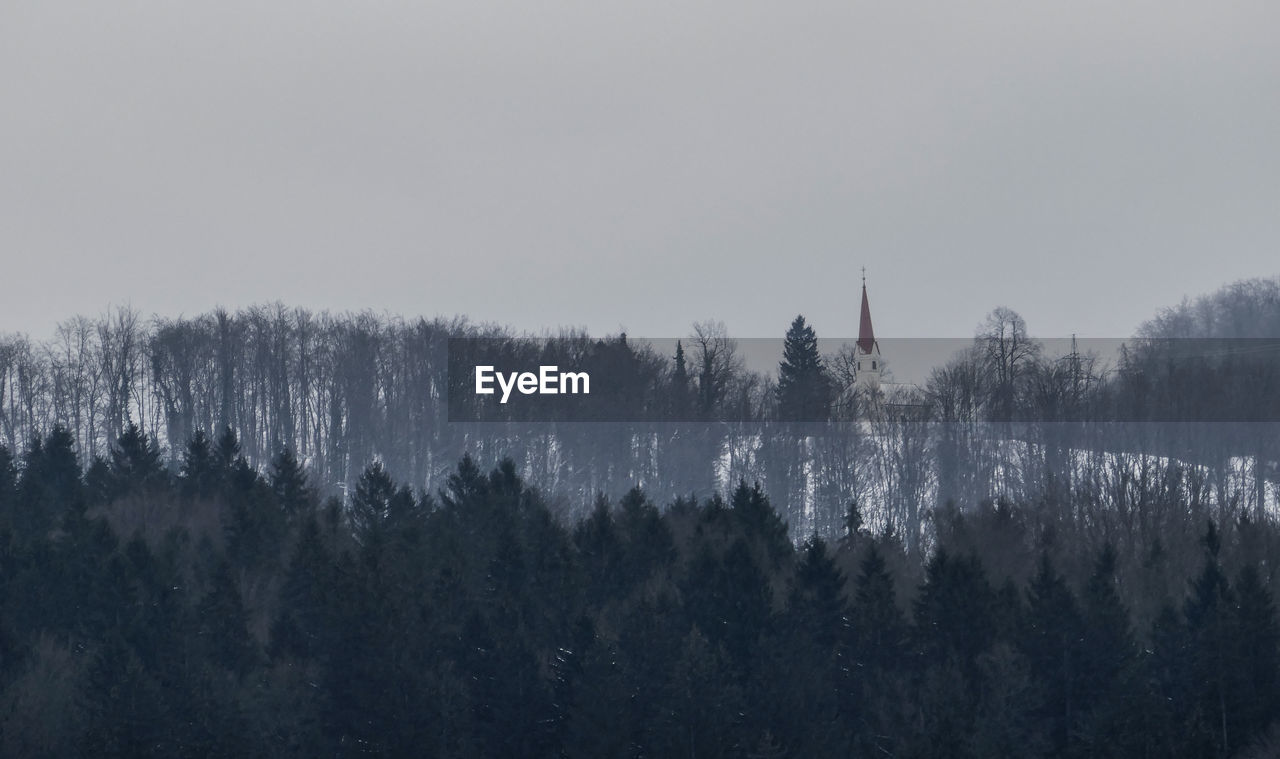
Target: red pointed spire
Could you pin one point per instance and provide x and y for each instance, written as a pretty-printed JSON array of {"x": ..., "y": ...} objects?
[{"x": 866, "y": 335}]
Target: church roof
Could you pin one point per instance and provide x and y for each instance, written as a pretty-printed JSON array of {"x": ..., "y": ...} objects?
[{"x": 866, "y": 335}]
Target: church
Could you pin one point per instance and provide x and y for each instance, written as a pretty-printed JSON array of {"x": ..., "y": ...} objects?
[
  {"x": 869, "y": 366},
  {"x": 862, "y": 375},
  {"x": 873, "y": 393}
]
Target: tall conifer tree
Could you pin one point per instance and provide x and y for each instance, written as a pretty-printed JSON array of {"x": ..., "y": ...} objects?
[{"x": 804, "y": 389}]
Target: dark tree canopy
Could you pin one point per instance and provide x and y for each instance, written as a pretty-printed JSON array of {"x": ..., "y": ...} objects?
[{"x": 482, "y": 624}]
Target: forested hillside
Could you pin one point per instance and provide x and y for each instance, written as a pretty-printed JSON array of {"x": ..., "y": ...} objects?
[
  {"x": 1190, "y": 402},
  {"x": 216, "y": 611},
  {"x": 263, "y": 534}
]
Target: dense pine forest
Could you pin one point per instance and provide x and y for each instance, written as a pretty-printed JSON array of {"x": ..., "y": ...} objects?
[
  {"x": 262, "y": 534},
  {"x": 217, "y": 611}
]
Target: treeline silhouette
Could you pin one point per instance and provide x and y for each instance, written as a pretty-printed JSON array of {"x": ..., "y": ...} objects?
[
  {"x": 215, "y": 610},
  {"x": 1191, "y": 402}
]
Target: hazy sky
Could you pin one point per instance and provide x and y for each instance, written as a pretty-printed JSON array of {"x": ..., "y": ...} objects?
[{"x": 638, "y": 165}]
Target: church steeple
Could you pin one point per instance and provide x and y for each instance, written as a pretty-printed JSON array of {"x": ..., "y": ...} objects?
[
  {"x": 866, "y": 335},
  {"x": 869, "y": 363}
]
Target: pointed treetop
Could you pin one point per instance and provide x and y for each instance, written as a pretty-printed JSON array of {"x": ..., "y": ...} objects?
[{"x": 866, "y": 335}]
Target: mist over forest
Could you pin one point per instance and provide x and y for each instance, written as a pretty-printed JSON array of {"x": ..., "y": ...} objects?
[
  {"x": 270, "y": 532},
  {"x": 1000, "y": 418}
]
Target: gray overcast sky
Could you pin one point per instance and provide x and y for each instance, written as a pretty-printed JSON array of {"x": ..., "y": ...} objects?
[{"x": 638, "y": 165}]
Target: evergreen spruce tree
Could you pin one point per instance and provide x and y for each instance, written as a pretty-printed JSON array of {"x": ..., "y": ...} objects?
[
  {"x": 567, "y": 668},
  {"x": 880, "y": 628},
  {"x": 852, "y": 521},
  {"x": 99, "y": 483},
  {"x": 554, "y": 581},
  {"x": 227, "y": 449},
  {"x": 198, "y": 475},
  {"x": 136, "y": 463},
  {"x": 289, "y": 484},
  {"x": 649, "y": 644},
  {"x": 1256, "y": 656},
  {"x": 728, "y": 598},
  {"x": 810, "y": 672},
  {"x": 954, "y": 611},
  {"x": 879, "y": 636},
  {"x": 465, "y": 486},
  {"x": 816, "y": 605},
  {"x": 954, "y": 627},
  {"x": 371, "y": 503},
  {"x": 647, "y": 545},
  {"x": 604, "y": 718},
  {"x": 804, "y": 389},
  {"x": 1006, "y": 724},
  {"x": 254, "y": 526},
  {"x": 8, "y": 490},
  {"x": 702, "y": 707},
  {"x": 50, "y": 484},
  {"x": 158, "y": 625},
  {"x": 304, "y": 625},
  {"x": 1170, "y": 720},
  {"x": 599, "y": 554},
  {"x": 681, "y": 387},
  {"x": 1209, "y": 624},
  {"x": 237, "y": 478},
  {"x": 1111, "y": 692},
  {"x": 224, "y": 623},
  {"x": 1051, "y": 643},
  {"x": 88, "y": 581},
  {"x": 128, "y": 715},
  {"x": 761, "y": 525}
]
